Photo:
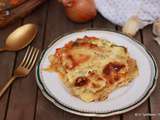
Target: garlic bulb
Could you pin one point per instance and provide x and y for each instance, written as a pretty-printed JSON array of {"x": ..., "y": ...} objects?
[
  {"x": 157, "y": 39},
  {"x": 156, "y": 27},
  {"x": 156, "y": 30},
  {"x": 132, "y": 26}
]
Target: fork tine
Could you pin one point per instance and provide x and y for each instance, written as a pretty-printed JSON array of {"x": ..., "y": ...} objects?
[
  {"x": 28, "y": 49},
  {"x": 31, "y": 58},
  {"x": 28, "y": 57},
  {"x": 34, "y": 60}
]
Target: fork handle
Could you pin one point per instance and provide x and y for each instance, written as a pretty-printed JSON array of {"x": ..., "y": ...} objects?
[{"x": 10, "y": 81}]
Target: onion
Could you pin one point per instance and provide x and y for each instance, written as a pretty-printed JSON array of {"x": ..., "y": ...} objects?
[
  {"x": 14, "y": 2},
  {"x": 80, "y": 10}
]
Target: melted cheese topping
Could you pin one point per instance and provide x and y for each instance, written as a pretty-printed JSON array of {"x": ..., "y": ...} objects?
[{"x": 92, "y": 68}]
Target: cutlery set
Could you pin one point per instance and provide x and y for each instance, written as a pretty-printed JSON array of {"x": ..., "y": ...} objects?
[{"x": 17, "y": 40}]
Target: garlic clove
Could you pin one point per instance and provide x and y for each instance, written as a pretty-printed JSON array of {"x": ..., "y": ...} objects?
[
  {"x": 156, "y": 27},
  {"x": 156, "y": 30},
  {"x": 157, "y": 39},
  {"x": 132, "y": 26}
]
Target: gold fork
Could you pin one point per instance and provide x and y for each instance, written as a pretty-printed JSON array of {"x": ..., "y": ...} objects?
[{"x": 24, "y": 68}]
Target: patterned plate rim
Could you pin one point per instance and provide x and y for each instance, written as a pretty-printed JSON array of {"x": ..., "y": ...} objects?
[{"x": 92, "y": 114}]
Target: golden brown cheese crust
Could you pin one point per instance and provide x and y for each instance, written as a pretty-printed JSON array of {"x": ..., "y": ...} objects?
[{"x": 92, "y": 68}]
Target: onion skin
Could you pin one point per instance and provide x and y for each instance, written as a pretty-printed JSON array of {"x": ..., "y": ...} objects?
[
  {"x": 14, "y": 2},
  {"x": 80, "y": 10}
]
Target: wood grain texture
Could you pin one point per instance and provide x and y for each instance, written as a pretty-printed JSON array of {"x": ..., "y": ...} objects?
[
  {"x": 6, "y": 67},
  {"x": 26, "y": 101},
  {"x": 57, "y": 24},
  {"x": 23, "y": 95},
  {"x": 154, "y": 48},
  {"x": 100, "y": 22}
]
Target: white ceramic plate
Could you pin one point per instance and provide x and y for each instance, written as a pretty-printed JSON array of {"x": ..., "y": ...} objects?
[{"x": 119, "y": 101}]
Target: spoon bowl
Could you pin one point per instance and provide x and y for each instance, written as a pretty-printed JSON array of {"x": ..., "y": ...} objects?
[{"x": 20, "y": 38}]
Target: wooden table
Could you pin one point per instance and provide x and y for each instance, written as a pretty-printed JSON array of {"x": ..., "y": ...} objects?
[{"x": 24, "y": 100}]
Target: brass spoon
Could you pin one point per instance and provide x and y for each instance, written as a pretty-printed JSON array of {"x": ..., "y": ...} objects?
[{"x": 20, "y": 37}]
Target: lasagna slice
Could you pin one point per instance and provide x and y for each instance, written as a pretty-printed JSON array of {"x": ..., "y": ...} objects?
[{"x": 92, "y": 68}]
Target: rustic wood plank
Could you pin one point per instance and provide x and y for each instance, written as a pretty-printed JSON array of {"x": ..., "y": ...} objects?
[
  {"x": 23, "y": 96},
  {"x": 154, "y": 48},
  {"x": 6, "y": 65},
  {"x": 137, "y": 114},
  {"x": 57, "y": 24},
  {"x": 100, "y": 22}
]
